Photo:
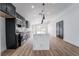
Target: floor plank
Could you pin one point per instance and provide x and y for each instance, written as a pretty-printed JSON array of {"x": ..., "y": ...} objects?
[{"x": 58, "y": 47}]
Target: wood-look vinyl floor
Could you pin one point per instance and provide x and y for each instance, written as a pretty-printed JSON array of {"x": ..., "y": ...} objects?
[
  {"x": 58, "y": 47},
  {"x": 0, "y": 53}
]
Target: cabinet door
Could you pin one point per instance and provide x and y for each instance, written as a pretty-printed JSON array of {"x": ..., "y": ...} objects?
[
  {"x": 3, "y": 7},
  {"x": 11, "y": 42},
  {"x": 10, "y": 9},
  {"x": 17, "y": 15}
]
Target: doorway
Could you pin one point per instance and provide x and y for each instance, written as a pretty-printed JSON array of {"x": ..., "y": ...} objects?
[{"x": 59, "y": 29}]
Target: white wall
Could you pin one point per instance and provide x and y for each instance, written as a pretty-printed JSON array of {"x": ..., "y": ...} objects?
[
  {"x": 2, "y": 35},
  {"x": 52, "y": 28},
  {"x": 71, "y": 24}
]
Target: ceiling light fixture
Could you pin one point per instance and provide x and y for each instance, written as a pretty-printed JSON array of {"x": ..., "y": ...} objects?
[{"x": 33, "y": 6}]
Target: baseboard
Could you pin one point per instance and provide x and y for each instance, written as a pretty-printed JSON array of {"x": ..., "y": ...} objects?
[{"x": 71, "y": 43}]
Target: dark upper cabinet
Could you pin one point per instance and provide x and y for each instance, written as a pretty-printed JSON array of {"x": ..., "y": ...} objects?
[
  {"x": 17, "y": 15},
  {"x": 8, "y": 8},
  {"x": 3, "y": 7},
  {"x": 11, "y": 9}
]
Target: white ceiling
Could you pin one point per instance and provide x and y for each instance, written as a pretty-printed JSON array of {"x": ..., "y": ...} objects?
[{"x": 31, "y": 10}]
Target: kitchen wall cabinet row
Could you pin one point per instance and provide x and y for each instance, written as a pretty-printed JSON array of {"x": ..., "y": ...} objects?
[
  {"x": 10, "y": 9},
  {"x": 10, "y": 23},
  {"x": 17, "y": 15}
]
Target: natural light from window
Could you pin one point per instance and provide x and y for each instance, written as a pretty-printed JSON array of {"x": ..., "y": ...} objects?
[{"x": 39, "y": 29}]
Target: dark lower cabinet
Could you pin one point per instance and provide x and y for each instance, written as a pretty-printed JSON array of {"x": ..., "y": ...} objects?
[
  {"x": 59, "y": 29},
  {"x": 11, "y": 41}
]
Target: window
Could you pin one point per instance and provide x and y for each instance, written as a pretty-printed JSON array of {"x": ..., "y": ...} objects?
[{"x": 39, "y": 29}]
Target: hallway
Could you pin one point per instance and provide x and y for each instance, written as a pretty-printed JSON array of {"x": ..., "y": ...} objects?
[
  {"x": 39, "y": 29},
  {"x": 58, "y": 47}
]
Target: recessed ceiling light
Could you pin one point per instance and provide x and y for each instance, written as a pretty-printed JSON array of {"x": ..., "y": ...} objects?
[{"x": 33, "y": 6}]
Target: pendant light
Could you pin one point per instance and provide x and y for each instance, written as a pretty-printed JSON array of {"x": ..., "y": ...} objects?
[{"x": 43, "y": 13}]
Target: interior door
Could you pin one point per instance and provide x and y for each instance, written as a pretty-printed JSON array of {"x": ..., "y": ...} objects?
[{"x": 59, "y": 29}]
